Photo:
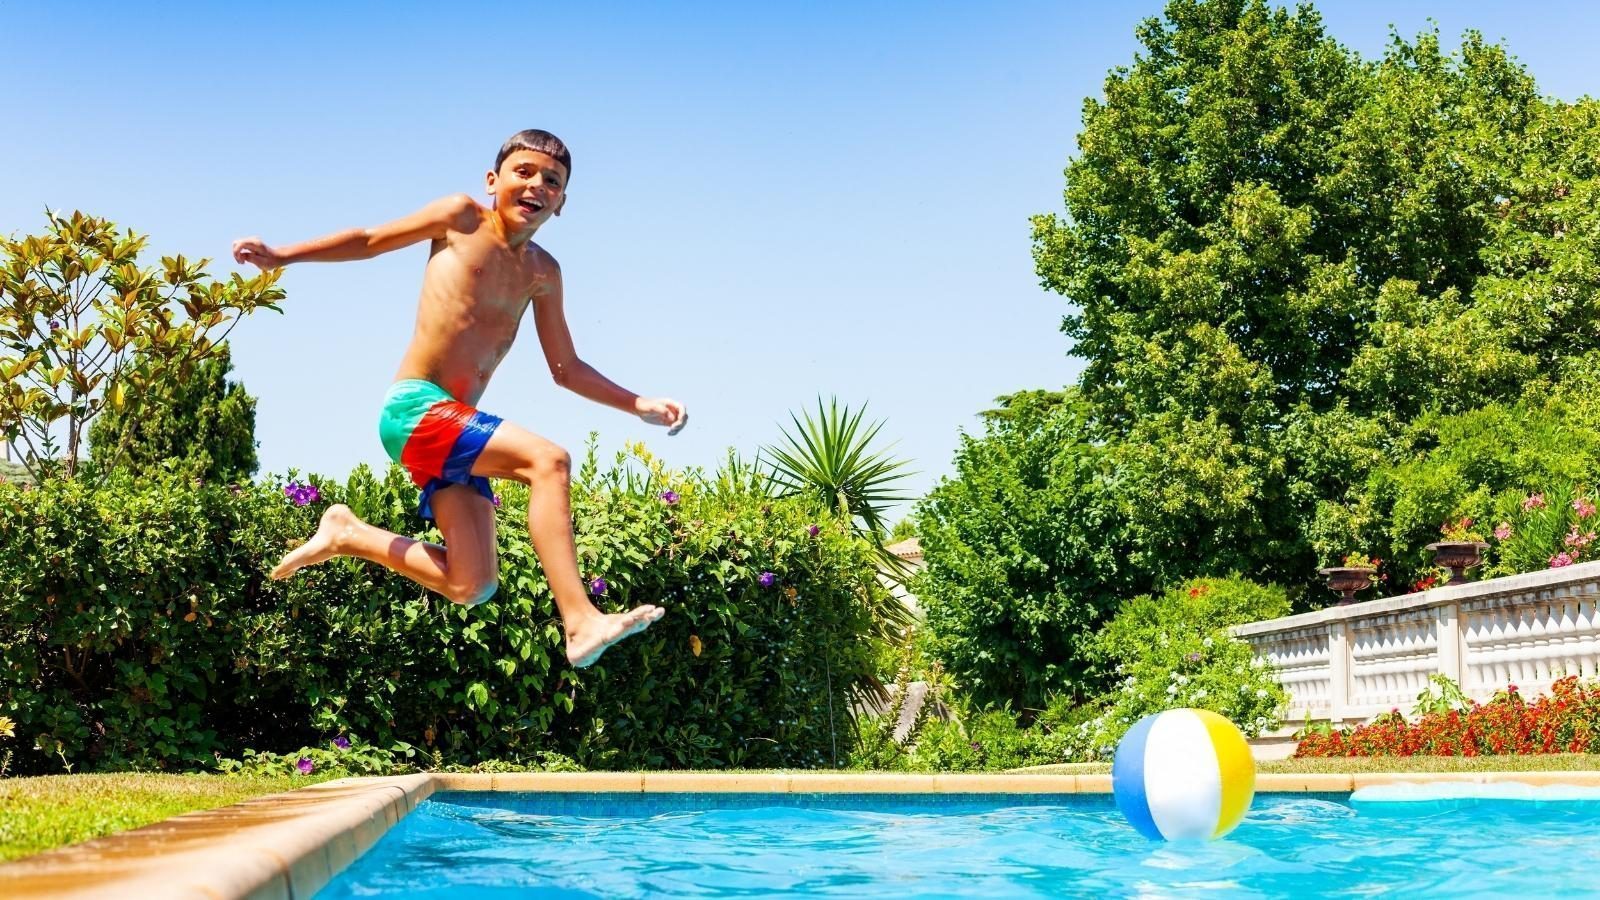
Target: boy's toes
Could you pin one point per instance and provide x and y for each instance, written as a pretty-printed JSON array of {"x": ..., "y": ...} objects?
[{"x": 584, "y": 647}]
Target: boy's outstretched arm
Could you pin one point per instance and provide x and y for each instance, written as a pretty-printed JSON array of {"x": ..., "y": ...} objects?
[
  {"x": 579, "y": 377},
  {"x": 457, "y": 211}
]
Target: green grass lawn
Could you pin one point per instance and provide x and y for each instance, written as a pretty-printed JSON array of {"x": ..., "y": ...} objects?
[{"x": 55, "y": 810}]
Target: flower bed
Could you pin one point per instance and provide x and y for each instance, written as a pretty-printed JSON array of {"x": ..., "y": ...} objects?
[{"x": 1567, "y": 720}]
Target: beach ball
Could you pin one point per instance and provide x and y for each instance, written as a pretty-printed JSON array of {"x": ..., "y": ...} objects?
[{"x": 1183, "y": 774}]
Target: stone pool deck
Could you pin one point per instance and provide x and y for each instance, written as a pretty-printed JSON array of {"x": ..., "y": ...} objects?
[{"x": 288, "y": 846}]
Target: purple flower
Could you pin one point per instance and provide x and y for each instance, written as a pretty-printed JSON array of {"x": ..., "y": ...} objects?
[
  {"x": 301, "y": 494},
  {"x": 813, "y": 530},
  {"x": 54, "y": 324},
  {"x": 305, "y": 765},
  {"x": 976, "y": 746},
  {"x": 766, "y": 509},
  {"x": 1192, "y": 657},
  {"x": 670, "y": 498},
  {"x": 597, "y": 586},
  {"x": 342, "y": 742},
  {"x": 767, "y": 579},
  {"x": 496, "y": 501}
]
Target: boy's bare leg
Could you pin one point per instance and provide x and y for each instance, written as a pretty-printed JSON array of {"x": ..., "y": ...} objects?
[
  {"x": 467, "y": 574},
  {"x": 519, "y": 454}
]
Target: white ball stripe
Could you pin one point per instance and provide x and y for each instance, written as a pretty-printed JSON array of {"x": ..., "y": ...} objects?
[{"x": 1182, "y": 783}]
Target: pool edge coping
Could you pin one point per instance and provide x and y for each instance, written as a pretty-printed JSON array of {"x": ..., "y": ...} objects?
[{"x": 289, "y": 846}]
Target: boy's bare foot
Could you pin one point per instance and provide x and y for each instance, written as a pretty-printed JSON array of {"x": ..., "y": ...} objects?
[
  {"x": 596, "y": 635},
  {"x": 336, "y": 523}
]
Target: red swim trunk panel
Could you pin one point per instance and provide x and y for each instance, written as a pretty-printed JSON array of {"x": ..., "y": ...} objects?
[{"x": 429, "y": 446}]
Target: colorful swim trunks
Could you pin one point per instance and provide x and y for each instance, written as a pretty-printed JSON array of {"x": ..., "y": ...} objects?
[{"x": 435, "y": 437}]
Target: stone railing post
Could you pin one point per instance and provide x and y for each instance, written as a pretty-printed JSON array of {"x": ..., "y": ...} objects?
[
  {"x": 1339, "y": 670},
  {"x": 1450, "y": 642}
]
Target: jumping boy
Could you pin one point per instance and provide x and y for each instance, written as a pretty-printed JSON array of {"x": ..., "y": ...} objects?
[{"x": 483, "y": 271}]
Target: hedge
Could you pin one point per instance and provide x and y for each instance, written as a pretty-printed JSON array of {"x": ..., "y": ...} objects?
[{"x": 138, "y": 628}]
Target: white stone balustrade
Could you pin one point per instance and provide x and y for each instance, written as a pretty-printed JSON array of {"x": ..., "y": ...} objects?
[{"x": 1345, "y": 664}]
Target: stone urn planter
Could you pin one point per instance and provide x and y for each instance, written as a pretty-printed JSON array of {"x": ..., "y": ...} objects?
[
  {"x": 1346, "y": 580},
  {"x": 1458, "y": 557}
]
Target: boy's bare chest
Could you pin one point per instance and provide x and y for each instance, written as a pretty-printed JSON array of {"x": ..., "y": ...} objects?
[{"x": 485, "y": 281}]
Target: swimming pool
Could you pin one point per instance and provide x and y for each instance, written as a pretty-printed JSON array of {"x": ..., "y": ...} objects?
[{"x": 480, "y": 845}]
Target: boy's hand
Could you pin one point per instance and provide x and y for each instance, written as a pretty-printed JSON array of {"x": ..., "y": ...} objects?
[
  {"x": 662, "y": 411},
  {"x": 254, "y": 251}
]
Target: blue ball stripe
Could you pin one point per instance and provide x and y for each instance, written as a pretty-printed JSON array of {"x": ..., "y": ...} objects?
[{"x": 1127, "y": 779}]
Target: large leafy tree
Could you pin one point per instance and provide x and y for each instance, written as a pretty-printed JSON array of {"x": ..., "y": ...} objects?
[
  {"x": 1277, "y": 254},
  {"x": 84, "y": 327},
  {"x": 1209, "y": 264},
  {"x": 202, "y": 426},
  {"x": 1295, "y": 276}
]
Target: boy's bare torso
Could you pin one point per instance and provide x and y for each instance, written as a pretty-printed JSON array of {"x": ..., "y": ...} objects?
[{"x": 475, "y": 291}]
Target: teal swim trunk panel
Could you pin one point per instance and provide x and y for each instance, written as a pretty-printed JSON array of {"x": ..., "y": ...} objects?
[{"x": 403, "y": 407}]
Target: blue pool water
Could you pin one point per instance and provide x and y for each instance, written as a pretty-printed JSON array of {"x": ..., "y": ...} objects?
[{"x": 481, "y": 845}]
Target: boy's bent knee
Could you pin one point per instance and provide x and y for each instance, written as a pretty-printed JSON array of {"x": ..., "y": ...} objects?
[
  {"x": 472, "y": 593},
  {"x": 553, "y": 462}
]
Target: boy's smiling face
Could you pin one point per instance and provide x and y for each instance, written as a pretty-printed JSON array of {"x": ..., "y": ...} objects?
[{"x": 529, "y": 188}]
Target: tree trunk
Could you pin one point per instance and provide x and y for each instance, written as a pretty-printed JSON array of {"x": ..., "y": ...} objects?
[{"x": 72, "y": 445}]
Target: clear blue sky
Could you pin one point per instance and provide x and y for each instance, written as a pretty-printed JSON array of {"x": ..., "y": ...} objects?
[{"x": 770, "y": 201}]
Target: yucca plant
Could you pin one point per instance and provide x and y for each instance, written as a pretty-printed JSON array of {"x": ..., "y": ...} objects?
[{"x": 830, "y": 458}]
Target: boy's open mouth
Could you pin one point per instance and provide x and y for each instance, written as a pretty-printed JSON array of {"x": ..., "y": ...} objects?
[{"x": 532, "y": 206}]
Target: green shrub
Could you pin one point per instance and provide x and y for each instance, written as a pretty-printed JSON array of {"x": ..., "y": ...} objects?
[
  {"x": 138, "y": 629},
  {"x": 875, "y": 746},
  {"x": 1480, "y": 465},
  {"x": 971, "y": 740},
  {"x": 1545, "y": 529},
  {"x": 202, "y": 426},
  {"x": 542, "y": 761},
  {"x": 1174, "y": 650},
  {"x": 356, "y": 758}
]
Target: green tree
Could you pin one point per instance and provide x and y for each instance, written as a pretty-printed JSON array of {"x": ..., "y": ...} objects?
[
  {"x": 1173, "y": 650},
  {"x": 1215, "y": 294},
  {"x": 1279, "y": 254},
  {"x": 83, "y": 327},
  {"x": 1026, "y": 550},
  {"x": 1033, "y": 404},
  {"x": 1207, "y": 266},
  {"x": 202, "y": 426}
]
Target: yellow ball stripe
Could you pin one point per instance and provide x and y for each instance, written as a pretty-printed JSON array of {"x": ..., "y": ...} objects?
[{"x": 1236, "y": 767}]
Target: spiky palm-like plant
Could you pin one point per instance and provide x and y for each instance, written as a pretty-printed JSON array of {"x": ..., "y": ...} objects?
[{"x": 830, "y": 458}]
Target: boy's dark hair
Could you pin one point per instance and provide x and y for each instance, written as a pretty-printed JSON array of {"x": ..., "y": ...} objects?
[{"x": 539, "y": 141}]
